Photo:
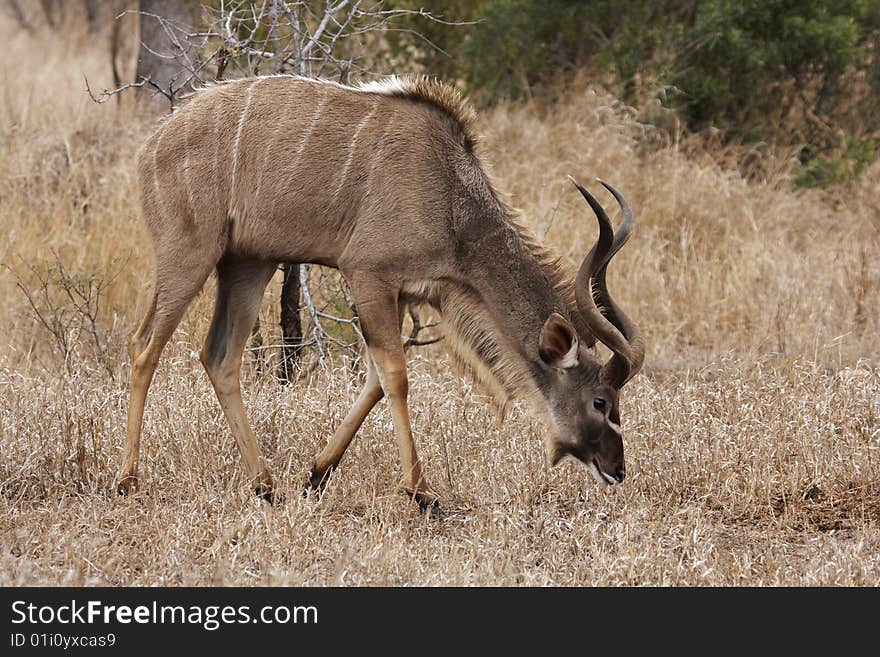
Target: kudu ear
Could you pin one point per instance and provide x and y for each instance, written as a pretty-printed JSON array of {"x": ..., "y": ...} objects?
[{"x": 558, "y": 343}]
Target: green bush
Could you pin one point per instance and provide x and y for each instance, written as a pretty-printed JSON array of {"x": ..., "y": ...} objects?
[
  {"x": 822, "y": 172},
  {"x": 791, "y": 71}
]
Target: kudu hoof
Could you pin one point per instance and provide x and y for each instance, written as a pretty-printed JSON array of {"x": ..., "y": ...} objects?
[
  {"x": 428, "y": 504},
  {"x": 268, "y": 493},
  {"x": 316, "y": 481},
  {"x": 126, "y": 485}
]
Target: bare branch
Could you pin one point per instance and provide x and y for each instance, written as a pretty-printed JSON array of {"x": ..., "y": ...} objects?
[
  {"x": 412, "y": 340},
  {"x": 107, "y": 94},
  {"x": 313, "y": 313}
]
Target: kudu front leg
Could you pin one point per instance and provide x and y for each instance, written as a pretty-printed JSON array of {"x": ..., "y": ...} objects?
[
  {"x": 377, "y": 305},
  {"x": 332, "y": 454}
]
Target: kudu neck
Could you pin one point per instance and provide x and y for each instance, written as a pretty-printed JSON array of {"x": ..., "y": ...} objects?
[{"x": 519, "y": 286}]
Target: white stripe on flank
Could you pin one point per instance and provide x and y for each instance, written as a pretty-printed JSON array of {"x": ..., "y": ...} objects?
[
  {"x": 374, "y": 154},
  {"x": 217, "y": 181},
  {"x": 308, "y": 132},
  {"x": 279, "y": 130},
  {"x": 186, "y": 176},
  {"x": 344, "y": 174},
  {"x": 247, "y": 103},
  {"x": 159, "y": 134}
]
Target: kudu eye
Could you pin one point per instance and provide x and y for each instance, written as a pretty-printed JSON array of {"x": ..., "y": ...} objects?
[{"x": 599, "y": 404}]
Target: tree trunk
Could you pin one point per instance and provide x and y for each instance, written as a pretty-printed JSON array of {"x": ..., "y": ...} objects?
[
  {"x": 160, "y": 59},
  {"x": 291, "y": 324}
]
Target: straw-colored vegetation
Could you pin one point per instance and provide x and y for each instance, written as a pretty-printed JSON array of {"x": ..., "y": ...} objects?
[{"x": 752, "y": 435}]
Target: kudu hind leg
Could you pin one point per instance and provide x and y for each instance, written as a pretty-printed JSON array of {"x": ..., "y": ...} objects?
[
  {"x": 174, "y": 290},
  {"x": 240, "y": 286},
  {"x": 141, "y": 337}
]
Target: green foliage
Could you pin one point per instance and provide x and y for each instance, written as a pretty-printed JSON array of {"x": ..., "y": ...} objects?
[
  {"x": 520, "y": 43},
  {"x": 821, "y": 172},
  {"x": 746, "y": 62},
  {"x": 510, "y": 48},
  {"x": 796, "y": 71},
  {"x": 793, "y": 71}
]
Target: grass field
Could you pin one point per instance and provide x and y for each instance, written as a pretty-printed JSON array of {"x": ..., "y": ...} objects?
[{"x": 752, "y": 434}]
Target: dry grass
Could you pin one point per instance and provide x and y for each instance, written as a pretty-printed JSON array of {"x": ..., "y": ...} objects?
[{"x": 753, "y": 435}]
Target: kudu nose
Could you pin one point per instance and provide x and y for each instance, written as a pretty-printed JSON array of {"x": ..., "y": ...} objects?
[{"x": 620, "y": 474}]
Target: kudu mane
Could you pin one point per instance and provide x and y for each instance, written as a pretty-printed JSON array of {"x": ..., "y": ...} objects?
[{"x": 474, "y": 341}]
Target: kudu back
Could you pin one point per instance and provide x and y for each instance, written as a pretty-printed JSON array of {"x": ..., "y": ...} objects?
[{"x": 383, "y": 183}]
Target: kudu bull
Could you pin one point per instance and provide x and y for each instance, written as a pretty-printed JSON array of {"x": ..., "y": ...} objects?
[{"x": 381, "y": 182}]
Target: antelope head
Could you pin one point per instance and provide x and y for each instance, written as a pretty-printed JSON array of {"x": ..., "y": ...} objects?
[{"x": 580, "y": 390}]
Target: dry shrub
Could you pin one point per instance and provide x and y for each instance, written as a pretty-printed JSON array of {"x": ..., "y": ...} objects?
[{"x": 752, "y": 435}]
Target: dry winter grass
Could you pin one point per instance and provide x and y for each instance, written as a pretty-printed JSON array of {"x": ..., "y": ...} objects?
[{"x": 752, "y": 435}]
